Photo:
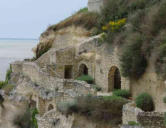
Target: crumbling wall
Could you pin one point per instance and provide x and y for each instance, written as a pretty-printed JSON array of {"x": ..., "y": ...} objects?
[
  {"x": 130, "y": 113},
  {"x": 151, "y": 119},
  {"x": 105, "y": 57},
  {"x": 53, "y": 119},
  {"x": 145, "y": 119}
]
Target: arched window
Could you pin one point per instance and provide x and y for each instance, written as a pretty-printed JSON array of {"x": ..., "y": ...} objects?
[
  {"x": 83, "y": 70},
  {"x": 50, "y": 107},
  {"x": 114, "y": 79}
]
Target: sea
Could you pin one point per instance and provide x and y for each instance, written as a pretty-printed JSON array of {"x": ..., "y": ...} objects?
[{"x": 14, "y": 50}]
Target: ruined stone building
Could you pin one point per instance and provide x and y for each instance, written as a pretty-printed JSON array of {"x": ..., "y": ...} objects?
[{"x": 51, "y": 78}]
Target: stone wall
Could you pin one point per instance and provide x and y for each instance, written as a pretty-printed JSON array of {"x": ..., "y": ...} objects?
[
  {"x": 151, "y": 119},
  {"x": 128, "y": 126},
  {"x": 54, "y": 119},
  {"x": 145, "y": 119},
  {"x": 151, "y": 83},
  {"x": 130, "y": 113},
  {"x": 105, "y": 57}
]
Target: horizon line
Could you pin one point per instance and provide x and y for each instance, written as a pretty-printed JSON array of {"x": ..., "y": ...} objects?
[{"x": 19, "y": 39}]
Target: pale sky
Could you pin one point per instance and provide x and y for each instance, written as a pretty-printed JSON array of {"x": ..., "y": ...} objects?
[{"x": 29, "y": 18}]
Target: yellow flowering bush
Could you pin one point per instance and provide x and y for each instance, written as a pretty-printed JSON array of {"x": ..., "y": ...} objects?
[{"x": 114, "y": 25}]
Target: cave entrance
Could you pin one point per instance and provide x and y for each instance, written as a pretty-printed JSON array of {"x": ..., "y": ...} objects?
[
  {"x": 114, "y": 79},
  {"x": 83, "y": 70},
  {"x": 68, "y": 72}
]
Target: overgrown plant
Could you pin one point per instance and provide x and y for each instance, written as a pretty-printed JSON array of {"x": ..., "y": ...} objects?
[
  {"x": 34, "y": 112},
  {"x": 107, "y": 109},
  {"x": 145, "y": 102},
  {"x": 133, "y": 62},
  {"x": 86, "y": 78},
  {"x": 122, "y": 93},
  {"x": 2, "y": 84},
  {"x": 43, "y": 48},
  {"x": 112, "y": 28},
  {"x": 133, "y": 123},
  {"x": 8, "y": 74}
]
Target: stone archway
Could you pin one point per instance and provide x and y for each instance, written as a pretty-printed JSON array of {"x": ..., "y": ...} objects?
[
  {"x": 83, "y": 70},
  {"x": 50, "y": 107},
  {"x": 114, "y": 79}
]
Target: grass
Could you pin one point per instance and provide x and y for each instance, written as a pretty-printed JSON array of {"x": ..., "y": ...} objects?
[
  {"x": 8, "y": 74},
  {"x": 43, "y": 48},
  {"x": 2, "y": 84},
  {"x": 86, "y": 78},
  {"x": 106, "y": 109},
  {"x": 133, "y": 123},
  {"x": 122, "y": 93},
  {"x": 81, "y": 18},
  {"x": 5, "y": 84}
]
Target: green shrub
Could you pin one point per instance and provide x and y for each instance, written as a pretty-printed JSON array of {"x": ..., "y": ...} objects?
[
  {"x": 34, "y": 112},
  {"x": 2, "y": 84},
  {"x": 83, "y": 10},
  {"x": 133, "y": 62},
  {"x": 86, "y": 78},
  {"x": 106, "y": 109},
  {"x": 133, "y": 123},
  {"x": 8, "y": 74},
  {"x": 43, "y": 48},
  {"x": 145, "y": 102},
  {"x": 122, "y": 93}
]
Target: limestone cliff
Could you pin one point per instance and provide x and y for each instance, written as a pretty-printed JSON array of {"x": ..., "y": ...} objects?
[{"x": 69, "y": 50}]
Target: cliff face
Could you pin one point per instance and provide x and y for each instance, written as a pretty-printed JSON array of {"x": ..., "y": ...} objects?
[
  {"x": 67, "y": 51},
  {"x": 62, "y": 38}
]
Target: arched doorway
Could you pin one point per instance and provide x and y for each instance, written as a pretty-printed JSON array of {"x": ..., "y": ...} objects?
[
  {"x": 50, "y": 107},
  {"x": 114, "y": 79},
  {"x": 83, "y": 70}
]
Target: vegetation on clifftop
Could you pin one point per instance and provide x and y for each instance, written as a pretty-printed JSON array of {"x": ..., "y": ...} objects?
[
  {"x": 80, "y": 18},
  {"x": 137, "y": 25},
  {"x": 107, "y": 109},
  {"x": 141, "y": 36}
]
